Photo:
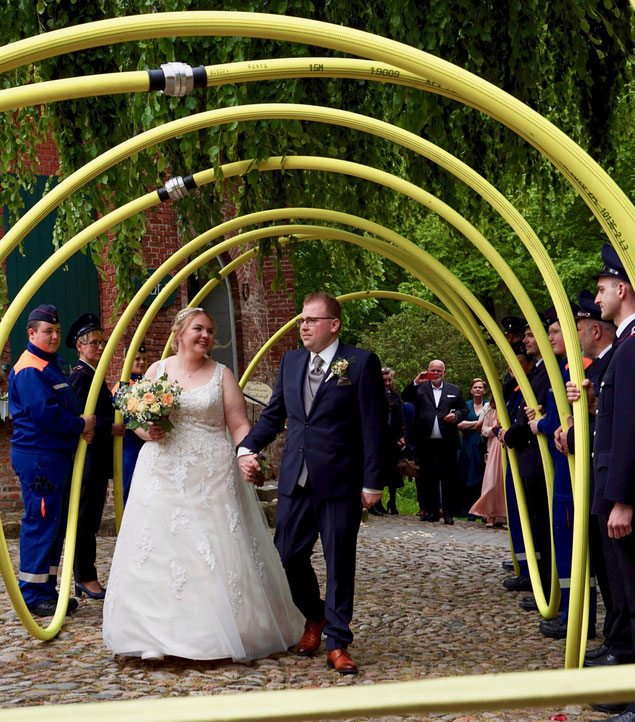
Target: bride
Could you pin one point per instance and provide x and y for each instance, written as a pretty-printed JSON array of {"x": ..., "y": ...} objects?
[{"x": 195, "y": 573}]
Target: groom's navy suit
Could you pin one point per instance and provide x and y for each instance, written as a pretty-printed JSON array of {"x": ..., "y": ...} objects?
[{"x": 342, "y": 440}]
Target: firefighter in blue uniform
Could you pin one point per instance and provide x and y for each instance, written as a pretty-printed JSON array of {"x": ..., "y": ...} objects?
[
  {"x": 614, "y": 459},
  {"x": 46, "y": 427},
  {"x": 86, "y": 335},
  {"x": 131, "y": 442},
  {"x": 596, "y": 339}
]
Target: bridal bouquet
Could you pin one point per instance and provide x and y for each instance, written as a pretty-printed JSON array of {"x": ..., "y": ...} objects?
[{"x": 148, "y": 401}]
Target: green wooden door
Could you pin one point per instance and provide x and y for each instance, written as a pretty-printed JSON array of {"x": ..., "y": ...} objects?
[{"x": 72, "y": 288}]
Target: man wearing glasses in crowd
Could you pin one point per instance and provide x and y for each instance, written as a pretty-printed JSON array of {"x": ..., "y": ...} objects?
[{"x": 87, "y": 336}]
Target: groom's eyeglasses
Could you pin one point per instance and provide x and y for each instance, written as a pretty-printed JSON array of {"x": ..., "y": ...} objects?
[{"x": 311, "y": 321}]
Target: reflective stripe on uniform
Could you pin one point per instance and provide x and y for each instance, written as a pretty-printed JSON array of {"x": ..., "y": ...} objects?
[
  {"x": 60, "y": 386},
  {"x": 53, "y": 571},
  {"x": 566, "y": 583},
  {"x": 35, "y": 578}
]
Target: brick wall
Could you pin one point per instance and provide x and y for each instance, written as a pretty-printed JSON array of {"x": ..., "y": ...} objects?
[{"x": 257, "y": 317}]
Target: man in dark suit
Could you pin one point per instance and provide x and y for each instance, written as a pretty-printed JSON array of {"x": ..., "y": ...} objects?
[
  {"x": 439, "y": 408},
  {"x": 332, "y": 397},
  {"x": 614, "y": 455}
]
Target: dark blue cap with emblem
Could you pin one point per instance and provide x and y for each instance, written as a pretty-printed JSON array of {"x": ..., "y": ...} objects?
[
  {"x": 513, "y": 324},
  {"x": 551, "y": 315},
  {"x": 85, "y": 323},
  {"x": 141, "y": 349},
  {"x": 44, "y": 312},
  {"x": 588, "y": 308},
  {"x": 612, "y": 266}
]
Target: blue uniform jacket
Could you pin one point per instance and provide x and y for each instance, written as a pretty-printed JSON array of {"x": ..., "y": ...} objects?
[
  {"x": 614, "y": 450},
  {"x": 547, "y": 426},
  {"x": 343, "y": 437},
  {"x": 44, "y": 406}
]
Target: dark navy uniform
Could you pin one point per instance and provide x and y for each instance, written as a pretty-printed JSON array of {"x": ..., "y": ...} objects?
[
  {"x": 97, "y": 471},
  {"x": 614, "y": 468},
  {"x": 515, "y": 402},
  {"x": 563, "y": 506},
  {"x": 46, "y": 426},
  {"x": 520, "y": 438}
]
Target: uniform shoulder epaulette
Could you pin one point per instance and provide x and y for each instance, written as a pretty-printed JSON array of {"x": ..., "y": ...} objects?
[{"x": 79, "y": 367}]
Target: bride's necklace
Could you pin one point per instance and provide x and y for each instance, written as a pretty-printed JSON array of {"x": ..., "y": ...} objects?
[{"x": 189, "y": 374}]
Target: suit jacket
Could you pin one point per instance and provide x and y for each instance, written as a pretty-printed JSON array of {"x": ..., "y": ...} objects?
[
  {"x": 451, "y": 399},
  {"x": 99, "y": 451},
  {"x": 343, "y": 438},
  {"x": 614, "y": 450},
  {"x": 519, "y": 436}
]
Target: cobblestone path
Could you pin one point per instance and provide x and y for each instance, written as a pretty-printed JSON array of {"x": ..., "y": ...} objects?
[{"x": 429, "y": 604}]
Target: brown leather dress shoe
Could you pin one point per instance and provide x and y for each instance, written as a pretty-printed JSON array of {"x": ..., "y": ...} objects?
[
  {"x": 311, "y": 638},
  {"x": 340, "y": 661}
]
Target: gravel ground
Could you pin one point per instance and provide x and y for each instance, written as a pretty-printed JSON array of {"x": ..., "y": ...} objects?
[{"x": 429, "y": 604}]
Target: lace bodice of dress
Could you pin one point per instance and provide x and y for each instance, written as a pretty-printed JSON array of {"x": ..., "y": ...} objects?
[{"x": 201, "y": 408}]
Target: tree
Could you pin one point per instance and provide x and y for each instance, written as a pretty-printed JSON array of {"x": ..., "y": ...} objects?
[
  {"x": 568, "y": 59},
  {"x": 409, "y": 340}
]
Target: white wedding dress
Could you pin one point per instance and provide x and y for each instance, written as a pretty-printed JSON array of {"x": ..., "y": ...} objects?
[{"x": 195, "y": 573}]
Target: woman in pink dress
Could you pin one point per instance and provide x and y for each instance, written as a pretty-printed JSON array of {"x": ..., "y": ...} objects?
[{"x": 491, "y": 503}]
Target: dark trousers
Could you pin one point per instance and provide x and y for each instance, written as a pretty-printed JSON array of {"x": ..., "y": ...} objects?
[
  {"x": 513, "y": 523},
  {"x": 438, "y": 464},
  {"x": 300, "y": 518},
  {"x": 45, "y": 487},
  {"x": 91, "y": 507},
  {"x": 619, "y": 557},
  {"x": 611, "y": 626},
  {"x": 538, "y": 510}
]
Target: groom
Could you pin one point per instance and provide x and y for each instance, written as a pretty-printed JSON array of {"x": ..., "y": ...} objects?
[{"x": 332, "y": 397}]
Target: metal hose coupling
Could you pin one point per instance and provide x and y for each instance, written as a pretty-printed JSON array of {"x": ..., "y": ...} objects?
[
  {"x": 177, "y": 79},
  {"x": 176, "y": 188}
]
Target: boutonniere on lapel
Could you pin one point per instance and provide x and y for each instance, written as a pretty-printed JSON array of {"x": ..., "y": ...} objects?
[{"x": 339, "y": 369}]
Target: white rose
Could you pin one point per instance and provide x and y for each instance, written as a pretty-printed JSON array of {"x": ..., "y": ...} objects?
[
  {"x": 142, "y": 408},
  {"x": 155, "y": 408}
]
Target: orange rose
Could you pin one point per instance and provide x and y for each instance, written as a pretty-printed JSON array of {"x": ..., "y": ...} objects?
[
  {"x": 167, "y": 399},
  {"x": 132, "y": 404},
  {"x": 148, "y": 398}
]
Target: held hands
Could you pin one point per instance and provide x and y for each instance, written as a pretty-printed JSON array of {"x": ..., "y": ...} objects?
[
  {"x": 250, "y": 467},
  {"x": 450, "y": 418},
  {"x": 89, "y": 428},
  {"x": 500, "y": 435},
  {"x": 620, "y": 521}
]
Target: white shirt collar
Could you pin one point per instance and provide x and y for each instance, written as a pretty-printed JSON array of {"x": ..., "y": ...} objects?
[
  {"x": 437, "y": 388},
  {"x": 327, "y": 354},
  {"x": 625, "y": 323},
  {"x": 605, "y": 351}
]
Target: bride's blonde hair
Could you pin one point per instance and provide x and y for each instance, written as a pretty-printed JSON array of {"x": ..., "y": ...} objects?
[{"x": 182, "y": 320}]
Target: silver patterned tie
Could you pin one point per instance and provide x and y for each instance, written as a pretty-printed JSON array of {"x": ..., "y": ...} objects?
[{"x": 316, "y": 375}]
